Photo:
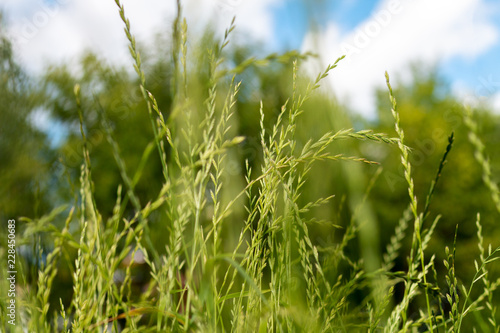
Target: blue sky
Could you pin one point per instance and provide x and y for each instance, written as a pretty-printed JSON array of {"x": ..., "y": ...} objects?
[
  {"x": 290, "y": 25},
  {"x": 461, "y": 36},
  {"x": 473, "y": 69}
]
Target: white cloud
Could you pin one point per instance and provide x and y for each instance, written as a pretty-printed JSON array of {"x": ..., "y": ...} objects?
[
  {"x": 58, "y": 30},
  {"x": 483, "y": 95},
  {"x": 397, "y": 33},
  {"x": 495, "y": 103}
]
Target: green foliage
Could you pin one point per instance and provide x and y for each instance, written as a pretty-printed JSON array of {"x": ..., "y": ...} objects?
[
  {"x": 209, "y": 197},
  {"x": 23, "y": 155}
]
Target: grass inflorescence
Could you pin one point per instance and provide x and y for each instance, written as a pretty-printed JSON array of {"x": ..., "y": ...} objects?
[{"x": 245, "y": 260}]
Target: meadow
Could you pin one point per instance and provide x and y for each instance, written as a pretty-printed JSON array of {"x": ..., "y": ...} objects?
[{"x": 187, "y": 202}]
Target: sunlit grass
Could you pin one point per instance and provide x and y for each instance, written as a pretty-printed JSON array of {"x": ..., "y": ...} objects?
[{"x": 271, "y": 277}]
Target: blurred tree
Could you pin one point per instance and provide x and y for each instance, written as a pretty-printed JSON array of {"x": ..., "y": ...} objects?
[
  {"x": 113, "y": 93},
  {"x": 24, "y": 155},
  {"x": 429, "y": 113}
]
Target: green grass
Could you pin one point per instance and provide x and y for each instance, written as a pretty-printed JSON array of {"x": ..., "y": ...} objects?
[{"x": 271, "y": 277}]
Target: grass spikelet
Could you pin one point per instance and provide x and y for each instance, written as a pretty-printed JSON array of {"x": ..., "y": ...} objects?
[
  {"x": 481, "y": 158},
  {"x": 417, "y": 237},
  {"x": 233, "y": 237}
]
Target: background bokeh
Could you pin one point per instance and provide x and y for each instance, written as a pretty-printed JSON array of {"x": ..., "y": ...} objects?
[{"x": 440, "y": 57}]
